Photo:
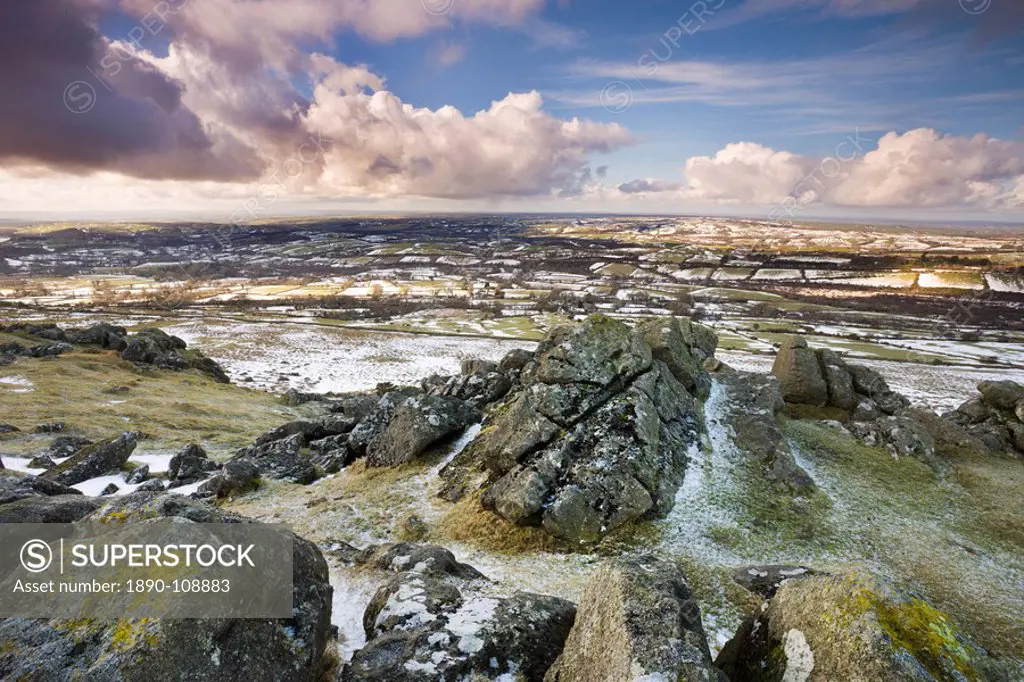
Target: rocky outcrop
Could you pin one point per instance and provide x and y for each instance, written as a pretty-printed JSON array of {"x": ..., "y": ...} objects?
[
  {"x": 596, "y": 437},
  {"x": 902, "y": 436},
  {"x": 820, "y": 377},
  {"x": 826, "y": 628},
  {"x": 426, "y": 623},
  {"x": 56, "y": 509},
  {"x": 41, "y": 462},
  {"x": 30, "y": 499},
  {"x": 395, "y": 426},
  {"x": 137, "y": 475},
  {"x": 103, "y": 335},
  {"x": 149, "y": 347},
  {"x": 425, "y": 559},
  {"x": 377, "y": 419},
  {"x": 9, "y": 352},
  {"x": 800, "y": 374},
  {"x": 16, "y": 486},
  {"x": 416, "y": 424},
  {"x": 42, "y": 330},
  {"x": 171, "y": 649},
  {"x": 683, "y": 347},
  {"x": 281, "y": 459},
  {"x": 65, "y": 446},
  {"x": 105, "y": 457},
  {"x": 637, "y": 620},
  {"x": 237, "y": 477},
  {"x": 479, "y": 384},
  {"x": 752, "y": 404},
  {"x": 950, "y": 439},
  {"x": 157, "y": 347},
  {"x": 189, "y": 465},
  {"x": 996, "y": 418}
]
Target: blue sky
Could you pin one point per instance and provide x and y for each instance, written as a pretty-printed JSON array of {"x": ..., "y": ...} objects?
[
  {"x": 726, "y": 104},
  {"x": 823, "y": 76}
]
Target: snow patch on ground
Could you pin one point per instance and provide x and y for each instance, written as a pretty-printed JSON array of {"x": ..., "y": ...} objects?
[
  {"x": 352, "y": 594},
  {"x": 18, "y": 384}
]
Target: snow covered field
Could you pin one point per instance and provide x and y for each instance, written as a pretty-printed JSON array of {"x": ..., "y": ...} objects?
[{"x": 326, "y": 359}]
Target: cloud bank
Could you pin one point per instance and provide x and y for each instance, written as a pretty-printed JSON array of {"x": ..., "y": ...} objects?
[
  {"x": 917, "y": 169},
  {"x": 238, "y": 93}
]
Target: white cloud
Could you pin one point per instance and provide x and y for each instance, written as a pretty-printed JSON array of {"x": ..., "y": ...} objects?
[
  {"x": 916, "y": 169},
  {"x": 746, "y": 173},
  {"x": 384, "y": 147},
  {"x": 242, "y": 71}
]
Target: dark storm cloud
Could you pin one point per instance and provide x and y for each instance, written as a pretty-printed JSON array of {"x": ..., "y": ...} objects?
[{"x": 72, "y": 101}]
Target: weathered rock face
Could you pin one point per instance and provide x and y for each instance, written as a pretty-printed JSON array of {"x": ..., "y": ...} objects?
[
  {"x": 950, "y": 439},
  {"x": 826, "y": 628},
  {"x": 332, "y": 453},
  {"x": 105, "y": 457},
  {"x": 137, "y": 475},
  {"x": 102, "y": 334},
  {"x": 9, "y": 352},
  {"x": 872, "y": 386},
  {"x": 190, "y": 465},
  {"x": 753, "y": 401},
  {"x": 996, "y": 418},
  {"x": 637, "y": 620},
  {"x": 56, "y": 509},
  {"x": 800, "y": 374},
  {"x": 30, "y": 499},
  {"x": 423, "y": 559},
  {"x": 237, "y": 477},
  {"x": 480, "y": 383},
  {"x": 903, "y": 436},
  {"x": 1002, "y": 395},
  {"x": 822, "y": 378},
  {"x": 374, "y": 423},
  {"x": 157, "y": 347},
  {"x": 65, "y": 446},
  {"x": 416, "y": 424},
  {"x": 41, "y": 462},
  {"x": 15, "y": 486},
  {"x": 597, "y": 436},
  {"x": 684, "y": 359},
  {"x": 281, "y": 459},
  {"x": 423, "y": 625},
  {"x": 172, "y": 649}
]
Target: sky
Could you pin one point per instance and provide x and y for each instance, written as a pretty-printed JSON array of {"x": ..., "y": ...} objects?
[{"x": 241, "y": 110}]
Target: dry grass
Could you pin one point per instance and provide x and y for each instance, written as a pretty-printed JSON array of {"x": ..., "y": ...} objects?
[
  {"x": 98, "y": 395},
  {"x": 469, "y": 523}
]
